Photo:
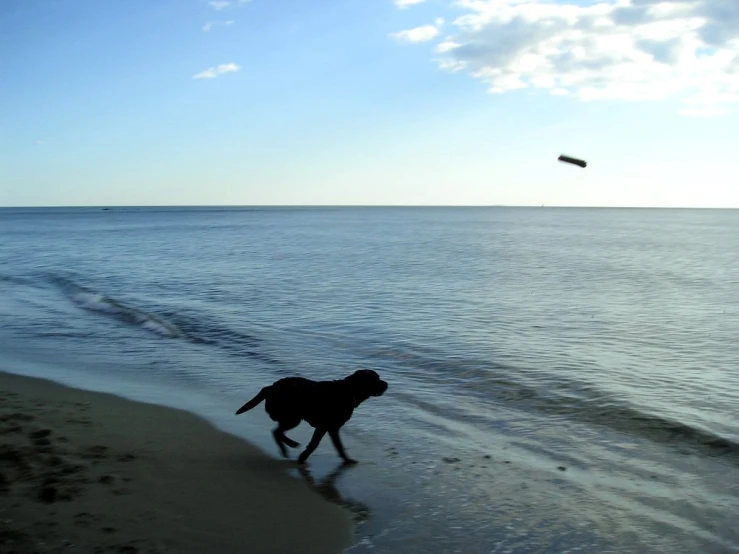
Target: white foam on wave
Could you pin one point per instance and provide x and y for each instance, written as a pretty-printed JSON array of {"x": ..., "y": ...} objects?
[
  {"x": 161, "y": 328},
  {"x": 100, "y": 303},
  {"x": 95, "y": 302}
]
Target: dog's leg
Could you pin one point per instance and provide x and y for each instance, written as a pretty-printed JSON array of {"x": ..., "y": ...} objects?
[
  {"x": 288, "y": 441},
  {"x": 286, "y": 426},
  {"x": 281, "y": 439},
  {"x": 336, "y": 439},
  {"x": 312, "y": 445}
]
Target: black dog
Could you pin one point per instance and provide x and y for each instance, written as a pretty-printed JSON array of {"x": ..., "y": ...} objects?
[{"x": 325, "y": 405}]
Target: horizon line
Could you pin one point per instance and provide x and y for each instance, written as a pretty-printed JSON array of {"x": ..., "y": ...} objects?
[{"x": 236, "y": 206}]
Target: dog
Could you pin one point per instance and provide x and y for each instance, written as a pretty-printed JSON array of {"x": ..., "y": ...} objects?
[{"x": 325, "y": 405}]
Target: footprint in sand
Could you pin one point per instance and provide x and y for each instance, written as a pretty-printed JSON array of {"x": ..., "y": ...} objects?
[
  {"x": 48, "y": 494},
  {"x": 71, "y": 469},
  {"x": 17, "y": 416},
  {"x": 126, "y": 458},
  {"x": 40, "y": 434},
  {"x": 54, "y": 461},
  {"x": 97, "y": 452},
  {"x": 79, "y": 421},
  {"x": 85, "y": 519}
]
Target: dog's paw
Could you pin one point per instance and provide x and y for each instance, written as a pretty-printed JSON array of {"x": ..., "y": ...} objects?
[
  {"x": 350, "y": 462},
  {"x": 291, "y": 443}
]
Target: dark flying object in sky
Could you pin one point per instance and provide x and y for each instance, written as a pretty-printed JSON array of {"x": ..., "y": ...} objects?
[{"x": 569, "y": 160}]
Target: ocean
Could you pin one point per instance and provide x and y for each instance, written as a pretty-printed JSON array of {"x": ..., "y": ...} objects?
[{"x": 561, "y": 379}]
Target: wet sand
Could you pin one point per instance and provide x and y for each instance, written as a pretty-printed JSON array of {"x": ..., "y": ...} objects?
[{"x": 94, "y": 473}]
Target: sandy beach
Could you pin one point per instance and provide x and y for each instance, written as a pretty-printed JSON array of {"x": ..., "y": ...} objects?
[{"x": 93, "y": 473}]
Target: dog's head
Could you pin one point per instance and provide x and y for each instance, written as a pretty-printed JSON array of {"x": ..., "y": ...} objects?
[{"x": 367, "y": 381}]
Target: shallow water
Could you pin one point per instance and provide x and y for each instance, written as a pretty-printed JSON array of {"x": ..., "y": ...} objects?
[{"x": 561, "y": 380}]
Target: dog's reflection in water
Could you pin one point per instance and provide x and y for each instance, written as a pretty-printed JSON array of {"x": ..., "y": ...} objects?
[{"x": 326, "y": 487}]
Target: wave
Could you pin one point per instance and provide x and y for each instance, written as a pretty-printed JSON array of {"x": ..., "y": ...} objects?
[
  {"x": 556, "y": 396},
  {"x": 207, "y": 331},
  {"x": 596, "y": 408},
  {"x": 197, "y": 330},
  {"x": 657, "y": 428},
  {"x": 97, "y": 302},
  {"x": 12, "y": 279}
]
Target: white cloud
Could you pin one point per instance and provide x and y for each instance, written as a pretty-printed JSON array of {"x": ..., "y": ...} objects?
[
  {"x": 407, "y": 3},
  {"x": 213, "y": 72},
  {"x": 223, "y": 4},
  {"x": 610, "y": 49},
  {"x": 418, "y": 34},
  {"x": 208, "y": 26}
]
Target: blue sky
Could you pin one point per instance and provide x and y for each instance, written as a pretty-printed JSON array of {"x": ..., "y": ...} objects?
[{"x": 341, "y": 102}]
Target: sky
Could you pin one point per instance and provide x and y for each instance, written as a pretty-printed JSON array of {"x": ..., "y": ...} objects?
[{"x": 369, "y": 102}]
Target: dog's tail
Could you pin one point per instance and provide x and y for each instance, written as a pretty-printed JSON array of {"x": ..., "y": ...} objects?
[{"x": 254, "y": 402}]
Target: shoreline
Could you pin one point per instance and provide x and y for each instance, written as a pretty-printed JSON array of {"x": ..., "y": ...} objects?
[{"x": 92, "y": 472}]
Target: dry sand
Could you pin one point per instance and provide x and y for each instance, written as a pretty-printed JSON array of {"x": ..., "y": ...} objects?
[{"x": 84, "y": 472}]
